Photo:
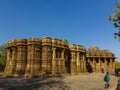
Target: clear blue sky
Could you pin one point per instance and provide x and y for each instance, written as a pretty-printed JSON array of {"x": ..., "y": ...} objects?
[{"x": 83, "y": 22}]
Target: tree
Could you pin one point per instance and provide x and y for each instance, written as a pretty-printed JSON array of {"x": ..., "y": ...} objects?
[
  {"x": 116, "y": 19},
  {"x": 117, "y": 65},
  {"x": 2, "y": 57}
]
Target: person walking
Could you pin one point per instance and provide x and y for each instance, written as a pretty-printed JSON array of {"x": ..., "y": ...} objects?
[
  {"x": 107, "y": 79},
  {"x": 102, "y": 70}
]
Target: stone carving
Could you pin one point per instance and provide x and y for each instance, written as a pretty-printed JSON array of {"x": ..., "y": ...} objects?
[{"x": 52, "y": 56}]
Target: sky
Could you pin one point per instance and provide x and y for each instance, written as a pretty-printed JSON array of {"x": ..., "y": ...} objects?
[{"x": 83, "y": 22}]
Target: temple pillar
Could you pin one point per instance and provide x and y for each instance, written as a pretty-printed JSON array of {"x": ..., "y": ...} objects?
[
  {"x": 29, "y": 63},
  {"x": 81, "y": 63},
  {"x": 111, "y": 62},
  {"x": 88, "y": 60},
  {"x": 78, "y": 62},
  {"x": 8, "y": 61},
  {"x": 13, "y": 61},
  {"x": 60, "y": 61},
  {"x": 99, "y": 65},
  {"x": 105, "y": 65},
  {"x": 21, "y": 56},
  {"x": 33, "y": 57},
  {"x": 111, "y": 66},
  {"x": 93, "y": 64},
  {"x": 47, "y": 59},
  {"x": 84, "y": 63},
  {"x": 54, "y": 62},
  {"x": 73, "y": 64},
  {"x": 63, "y": 62},
  {"x": 44, "y": 58}
]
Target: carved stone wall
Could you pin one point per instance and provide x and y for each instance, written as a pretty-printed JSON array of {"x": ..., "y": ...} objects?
[
  {"x": 51, "y": 56},
  {"x": 33, "y": 57},
  {"x": 100, "y": 59},
  {"x": 78, "y": 60}
]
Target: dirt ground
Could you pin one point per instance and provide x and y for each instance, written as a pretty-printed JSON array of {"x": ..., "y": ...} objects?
[{"x": 93, "y": 81}]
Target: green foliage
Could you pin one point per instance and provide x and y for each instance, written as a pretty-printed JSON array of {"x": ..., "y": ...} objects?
[
  {"x": 118, "y": 5},
  {"x": 117, "y": 65},
  {"x": 115, "y": 18},
  {"x": 2, "y": 57}
]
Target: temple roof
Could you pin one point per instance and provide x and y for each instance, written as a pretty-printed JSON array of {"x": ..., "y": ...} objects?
[{"x": 93, "y": 48}]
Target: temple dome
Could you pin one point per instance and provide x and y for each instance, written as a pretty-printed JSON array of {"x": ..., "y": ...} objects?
[{"x": 93, "y": 48}]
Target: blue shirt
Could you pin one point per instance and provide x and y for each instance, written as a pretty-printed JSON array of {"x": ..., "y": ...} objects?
[{"x": 108, "y": 77}]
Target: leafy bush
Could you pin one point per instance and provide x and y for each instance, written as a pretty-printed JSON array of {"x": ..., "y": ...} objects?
[
  {"x": 117, "y": 64},
  {"x": 2, "y": 57}
]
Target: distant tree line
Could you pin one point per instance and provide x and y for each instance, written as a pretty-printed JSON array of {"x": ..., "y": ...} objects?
[{"x": 2, "y": 57}]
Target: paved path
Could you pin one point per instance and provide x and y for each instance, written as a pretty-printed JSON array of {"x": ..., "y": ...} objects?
[{"x": 92, "y": 81}]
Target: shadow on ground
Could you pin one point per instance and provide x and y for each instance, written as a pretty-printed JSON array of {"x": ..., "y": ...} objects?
[{"x": 42, "y": 83}]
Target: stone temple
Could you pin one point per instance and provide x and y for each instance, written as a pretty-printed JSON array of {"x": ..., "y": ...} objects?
[{"x": 52, "y": 56}]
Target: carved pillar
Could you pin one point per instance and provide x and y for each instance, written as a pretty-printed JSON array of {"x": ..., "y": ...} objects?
[
  {"x": 84, "y": 63},
  {"x": 13, "y": 61},
  {"x": 93, "y": 64},
  {"x": 63, "y": 62},
  {"x": 9, "y": 54},
  {"x": 49, "y": 60},
  {"x": 88, "y": 60},
  {"x": 21, "y": 56},
  {"x": 78, "y": 62},
  {"x": 9, "y": 58},
  {"x": 111, "y": 62},
  {"x": 54, "y": 62},
  {"x": 34, "y": 57},
  {"x": 44, "y": 58},
  {"x": 81, "y": 68},
  {"x": 29, "y": 63},
  {"x": 111, "y": 66},
  {"x": 99, "y": 65},
  {"x": 73, "y": 64},
  {"x": 105, "y": 64}
]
